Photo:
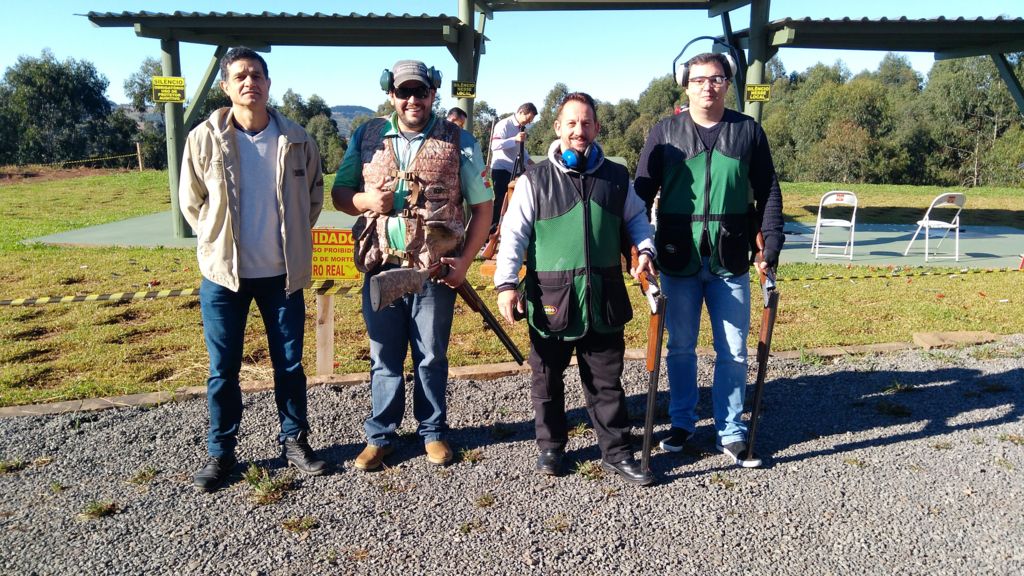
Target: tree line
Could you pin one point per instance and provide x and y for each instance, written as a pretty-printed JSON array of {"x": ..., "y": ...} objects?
[
  {"x": 961, "y": 127},
  {"x": 957, "y": 127}
]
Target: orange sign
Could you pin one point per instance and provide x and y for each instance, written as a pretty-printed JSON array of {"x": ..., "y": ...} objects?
[{"x": 332, "y": 254}]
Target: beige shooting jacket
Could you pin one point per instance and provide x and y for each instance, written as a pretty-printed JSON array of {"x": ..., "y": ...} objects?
[{"x": 208, "y": 197}]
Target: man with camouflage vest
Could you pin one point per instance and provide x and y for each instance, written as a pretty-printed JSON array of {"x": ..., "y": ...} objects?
[
  {"x": 567, "y": 214},
  {"x": 718, "y": 190},
  {"x": 405, "y": 176}
]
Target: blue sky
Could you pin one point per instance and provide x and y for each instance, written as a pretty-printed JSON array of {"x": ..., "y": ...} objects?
[{"x": 610, "y": 54}]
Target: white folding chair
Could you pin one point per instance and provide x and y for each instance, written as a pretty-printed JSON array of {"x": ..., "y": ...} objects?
[
  {"x": 834, "y": 198},
  {"x": 946, "y": 201}
]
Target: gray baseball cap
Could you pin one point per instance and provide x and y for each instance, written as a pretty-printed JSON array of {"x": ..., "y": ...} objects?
[{"x": 406, "y": 70}]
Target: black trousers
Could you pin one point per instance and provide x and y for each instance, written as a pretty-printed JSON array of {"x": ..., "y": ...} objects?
[
  {"x": 500, "y": 180},
  {"x": 600, "y": 362}
]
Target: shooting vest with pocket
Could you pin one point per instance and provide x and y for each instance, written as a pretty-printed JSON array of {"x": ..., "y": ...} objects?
[
  {"x": 707, "y": 192},
  {"x": 434, "y": 218},
  {"x": 574, "y": 277}
]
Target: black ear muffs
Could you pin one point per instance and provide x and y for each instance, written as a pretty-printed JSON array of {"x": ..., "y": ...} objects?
[
  {"x": 387, "y": 79},
  {"x": 682, "y": 72}
]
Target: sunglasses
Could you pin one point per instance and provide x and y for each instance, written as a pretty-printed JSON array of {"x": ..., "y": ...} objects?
[
  {"x": 421, "y": 92},
  {"x": 716, "y": 81}
]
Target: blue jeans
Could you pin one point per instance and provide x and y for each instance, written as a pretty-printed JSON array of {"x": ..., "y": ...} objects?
[
  {"x": 224, "y": 316},
  {"x": 728, "y": 302},
  {"x": 423, "y": 321}
]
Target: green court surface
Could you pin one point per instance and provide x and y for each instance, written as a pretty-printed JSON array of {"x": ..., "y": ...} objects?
[
  {"x": 874, "y": 244},
  {"x": 151, "y": 231}
]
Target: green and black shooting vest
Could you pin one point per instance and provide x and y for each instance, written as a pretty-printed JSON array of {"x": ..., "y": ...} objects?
[
  {"x": 706, "y": 192},
  {"x": 573, "y": 269}
]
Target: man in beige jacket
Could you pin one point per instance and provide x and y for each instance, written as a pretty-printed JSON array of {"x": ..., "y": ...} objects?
[{"x": 252, "y": 189}]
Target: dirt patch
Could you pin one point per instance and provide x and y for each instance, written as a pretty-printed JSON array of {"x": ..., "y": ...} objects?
[{"x": 10, "y": 175}]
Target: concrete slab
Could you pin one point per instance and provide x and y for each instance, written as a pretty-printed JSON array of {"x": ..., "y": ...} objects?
[
  {"x": 929, "y": 340},
  {"x": 883, "y": 244},
  {"x": 151, "y": 231}
]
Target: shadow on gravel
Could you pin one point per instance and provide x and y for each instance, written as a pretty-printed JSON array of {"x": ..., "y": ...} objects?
[{"x": 938, "y": 402}]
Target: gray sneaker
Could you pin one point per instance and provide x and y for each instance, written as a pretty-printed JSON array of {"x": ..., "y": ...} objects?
[{"x": 738, "y": 452}]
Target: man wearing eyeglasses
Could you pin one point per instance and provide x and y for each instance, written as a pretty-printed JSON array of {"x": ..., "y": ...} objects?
[
  {"x": 718, "y": 190},
  {"x": 405, "y": 176}
]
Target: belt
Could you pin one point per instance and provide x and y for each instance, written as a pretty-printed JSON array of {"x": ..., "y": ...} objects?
[{"x": 393, "y": 260}]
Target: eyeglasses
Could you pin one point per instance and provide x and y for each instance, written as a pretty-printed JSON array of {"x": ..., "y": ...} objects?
[
  {"x": 421, "y": 92},
  {"x": 716, "y": 81}
]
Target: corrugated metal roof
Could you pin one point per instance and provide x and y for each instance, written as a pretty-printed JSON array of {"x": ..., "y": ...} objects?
[
  {"x": 946, "y": 37},
  {"x": 785, "y": 21},
  {"x": 179, "y": 14}
]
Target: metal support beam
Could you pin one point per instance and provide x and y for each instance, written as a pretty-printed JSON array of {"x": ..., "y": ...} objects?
[
  {"x": 467, "y": 73},
  {"x": 758, "y": 51},
  {"x": 196, "y": 104},
  {"x": 726, "y": 7},
  {"x": 1012, "y": 82},
  {"x": 174, "y": 126},
  {"x": 968, "y": 51},
  {"x": 740, "y": 80}
]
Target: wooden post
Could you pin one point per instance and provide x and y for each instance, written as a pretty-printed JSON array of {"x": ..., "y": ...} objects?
[
  {"x": 324, "y": 335},
  {"x": 138, "y": 150}
]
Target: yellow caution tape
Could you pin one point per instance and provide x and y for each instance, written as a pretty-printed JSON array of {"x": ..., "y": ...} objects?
[
  {"x": 102, "y": 297},
  {"x": 333, "y": 288},
  {"x": 79, "y": 161}
]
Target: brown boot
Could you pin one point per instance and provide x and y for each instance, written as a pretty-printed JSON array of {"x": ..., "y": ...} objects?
[
  {"x": 371, "y": 457},
  {"x": 438, "y": 452}
]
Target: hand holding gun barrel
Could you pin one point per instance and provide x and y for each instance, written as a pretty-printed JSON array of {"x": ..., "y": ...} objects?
[
  {"x": 655, "y": 335},
  {"x": 764, "y": 343}
]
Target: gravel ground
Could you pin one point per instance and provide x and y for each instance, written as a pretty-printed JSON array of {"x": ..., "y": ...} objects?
[{"x": 846, "y": 489}]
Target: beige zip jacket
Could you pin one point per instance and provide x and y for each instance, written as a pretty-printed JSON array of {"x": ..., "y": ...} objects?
[{"x": 208, "y": 197}]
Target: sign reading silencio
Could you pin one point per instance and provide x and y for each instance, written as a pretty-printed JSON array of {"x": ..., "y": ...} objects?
[
  {"x": 463, "y": 89},
  {"x": 168, "y": 89},
  {"x": 758, "y": 93},
  {"x": 332, "y": 254}
]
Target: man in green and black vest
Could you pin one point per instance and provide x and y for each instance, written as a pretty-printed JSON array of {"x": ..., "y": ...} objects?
[
  {"x": 718, "y": 190},
  {"x": 565, "y": 217},
  {"x": 405, "y": 176}
]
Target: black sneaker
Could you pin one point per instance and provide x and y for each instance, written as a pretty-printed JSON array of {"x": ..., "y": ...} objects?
[
  {"x": 213, "y": 474},
  {"x": 738, "y": 452},
  {"x": 676, "y": 439},
  {"x": 296, "y": 452}
]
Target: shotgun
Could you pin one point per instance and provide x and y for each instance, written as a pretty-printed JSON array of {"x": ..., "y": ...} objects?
[
  {"x": 391, "y": 285},
  {"x": 764, "y": 343},
  {"x": 655, "y": 333},
  {"x": 517, "y": 169}
]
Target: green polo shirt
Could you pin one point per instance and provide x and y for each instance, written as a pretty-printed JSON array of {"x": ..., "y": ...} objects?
[{"x": 472, "y": 173}]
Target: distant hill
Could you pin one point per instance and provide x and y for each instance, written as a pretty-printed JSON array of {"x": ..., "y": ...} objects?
[{"x": 344, "y": 114}]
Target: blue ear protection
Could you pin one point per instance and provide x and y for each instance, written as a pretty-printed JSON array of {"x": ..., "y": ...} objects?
[
  {"x": 682, "y": 73},
  {"x": 578, "y": 161},
  {"x": 387, "y": 79}
]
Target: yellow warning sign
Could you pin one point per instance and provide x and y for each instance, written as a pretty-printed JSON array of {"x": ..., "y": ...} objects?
[
  {"x": 463, "y": 89},
  {"x": 758, "y": 93},
  {"x": 168, "y": 89},
  {"x": 332, "y": 254}
]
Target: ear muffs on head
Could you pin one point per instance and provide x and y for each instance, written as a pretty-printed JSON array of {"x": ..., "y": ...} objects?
[
  {"x": 682, "y": 72},
  {"x": 387, "y": 79}
]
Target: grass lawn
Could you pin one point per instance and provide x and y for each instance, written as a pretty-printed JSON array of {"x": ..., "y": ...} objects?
[{"x": 71, "y": 351}]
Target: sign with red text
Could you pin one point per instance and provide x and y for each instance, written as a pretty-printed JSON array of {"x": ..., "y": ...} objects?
[{"x": 332, "y": 254}]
